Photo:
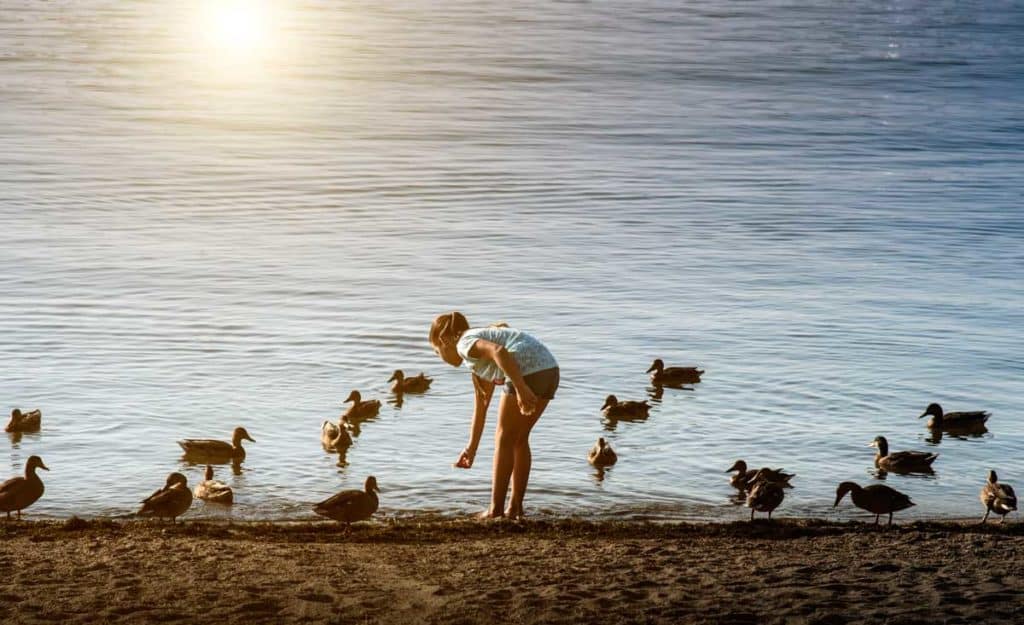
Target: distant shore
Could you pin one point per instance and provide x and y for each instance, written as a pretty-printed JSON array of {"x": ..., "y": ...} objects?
[{"x": 788, "y": 571}]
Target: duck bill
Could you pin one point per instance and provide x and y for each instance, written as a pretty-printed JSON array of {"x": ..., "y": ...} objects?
[
  {"x": 393, "y": 378},
  {"x": 351, "y": 397},
  {"x": 653, "y": 368},
  {"x": 734, "y": 467},
  {"x": 923, "y": 415},
  {"x": 43, "y": 467},
  {"x": 249, "y": 438}
]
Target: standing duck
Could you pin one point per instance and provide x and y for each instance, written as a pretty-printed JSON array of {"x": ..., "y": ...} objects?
[
  {"x": 744, "y": 477},
  {"x": 218, "y": 452},
  {"x": 361, "y": 409},
  {"x": 615, "y": 409},
  {"x": 18, "y": 493},
  {"x": 351, "y": 506},
  {"x": 998, "y": 498},
  {"x": 901, "y": 461},
  {"x": 213, "y": 491},
  {"x": 336, "y": 437},
  {"x": 954, "y": 420},
  {"x": 171, "y": 501},
  {"x": 402, "y": 384},
  {"x": 765, "y": 495},
  {"x": 669, "y": 376},
  {"x": 877, "y": 499},
  {"x": 24, "y": 421},
  {"x": 602, "y": 454}
]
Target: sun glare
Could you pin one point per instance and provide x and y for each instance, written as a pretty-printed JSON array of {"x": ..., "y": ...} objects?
[{"x": 236, "y": 30}]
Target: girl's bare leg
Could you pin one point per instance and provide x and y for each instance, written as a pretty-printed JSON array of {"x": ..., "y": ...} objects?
[
  {"x": 522, "y": 461},
  {"x": 512, "y": 428}
]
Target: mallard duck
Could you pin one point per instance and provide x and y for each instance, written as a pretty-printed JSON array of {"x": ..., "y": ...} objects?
[
  {"x": 416, "y": 384},
  {"x": 171, "y": 501},
  {"x": 212, "y": 490},
  {"x": 361, "y": 409},
  {"x": 602, "y": 454},
  {"x": 765, "y": 495},
  {"x": 351, "y": 506},
  {"x": 743, "y": 477},
  {"x": 209, "y": 450},
  {"x": 18, "y": 493},
  {"x": 998, "y": 498},
  {"x": 615, "y": 409},
  {"x": 667, "y": 376},
  {"x": 901, "y": 461},
  {"x": 24, "y": 421},
  {"x": 336, "y": 437},
  {"x": 954, "y": 420},
  {"x": 877, "y": 499}
]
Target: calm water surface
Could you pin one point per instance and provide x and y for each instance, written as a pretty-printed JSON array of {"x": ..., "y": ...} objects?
[{"x": 205, "y": 227}]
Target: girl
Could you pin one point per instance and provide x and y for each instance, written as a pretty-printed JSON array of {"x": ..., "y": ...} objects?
[{"x": 496, "y": 355}]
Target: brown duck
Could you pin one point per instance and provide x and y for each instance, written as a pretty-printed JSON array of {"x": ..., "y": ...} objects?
[
  {"x": 336, "y": 437},
  {"x": 415, "y": 384},
  {"x": 361, "y": 409},
  {"x": 744, "y": 477},
  {"x": 998, "y": 498},
  {"x": 213, "y": 491},
  {"x": 351, "y": 506},
  {"x": 669, "y": 376},
  {"x": 972, "y": 419},
  {"x": 765, "y": 495},
  {"x": 209, "y": 450},
  {"x": 878, "y": 499},
  {"x": 615, "y": 409},
  {"x": 24, "y": 421},
  {"x": 602, "y": 454},
  {"x": 901, "y": 461},
  {"x": 18, "y": 493},
  {"x": 171, "y": 501}
]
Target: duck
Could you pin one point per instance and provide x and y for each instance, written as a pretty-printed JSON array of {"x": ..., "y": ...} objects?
[
  {"x": 954, "y": 420},
  {"x": 24, "y": 421},
  {"x": 171, "y": 501},
  {"x": 602, "y": 454},
  {"x": 877, "y": 499},
  {"x": 901, "y": 461},
  {"x": 998, "y": 498},
  {"x": 765, "y": 494},
  {"x": 744, "y": 477},
  {"x": 615, "y": 409},
  {"x": 213, "y": 491},
  {"x": 351, "y": 506},
  {"x": 667, "y": 376},
  {"x": 336, "y": 437},
  {"x": 217, "y": 451},
  {"x": 416, "y": 384},
  {"x": 361, "y": 409},
  {"x": 18, "y": 493}
]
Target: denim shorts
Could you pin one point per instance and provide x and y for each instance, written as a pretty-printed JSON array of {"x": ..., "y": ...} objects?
[{"x": 543, "y": 383}]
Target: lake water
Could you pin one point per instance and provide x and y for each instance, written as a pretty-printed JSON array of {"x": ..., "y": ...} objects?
[{"x": 220, "y": 221}]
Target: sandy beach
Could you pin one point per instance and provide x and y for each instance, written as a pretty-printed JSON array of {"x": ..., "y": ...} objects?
[{"x": 535, "y": 572}]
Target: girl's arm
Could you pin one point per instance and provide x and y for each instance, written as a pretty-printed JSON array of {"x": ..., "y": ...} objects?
[
  {"x": 507, "y": 362},
  {"x": 483, "y": 391}
]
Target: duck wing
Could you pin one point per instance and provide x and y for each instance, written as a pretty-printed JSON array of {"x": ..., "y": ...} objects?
[
  {"x": 912, "y": 457},
  {"x": 969, "y": 416},
  {"x": 11, "y": 486},
  {"x": 206, "y": 446}
]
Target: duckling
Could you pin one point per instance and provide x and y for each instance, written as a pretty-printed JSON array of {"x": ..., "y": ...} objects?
[
  {"x": 171, "y": 501},
  {"x": 208, "y": 450},
  {"x": 351, "y": 506},
  {"x": 18, "y": 493},
  {"x": 213, "y": 491},
  {"x": 402, "y": 384},
  {"x": 765, "y": 495},
  {"x": 668, "y": 376},
  {"x": 361, "y": 409},
  {"x": 998, "y": 498},
  {"x": 615, "y": 409},
  {"x": 877, "y": 499},
  {"x": 602, "y": 454},
  {"x": 24, "y": 421},
  {"x": 743, "y": 477},
  {"x": 954, "y": 420},
  {"x": 336, "y": 437},
  {"x": 901, "y": 461}
]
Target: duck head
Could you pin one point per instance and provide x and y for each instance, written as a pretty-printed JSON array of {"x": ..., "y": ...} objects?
[
  {"x": 610, "y": 401},
  {"x": 881, "y": 444},
  {"x": 739, "y": 465},
  {"x": 175, "y": 479},
  {"x": 239, "y": 435},
  {"x": 657, "y": 365},
  {"x": 35, "y": 462},
  {"x": 845, "y": 487},
  {"x": 209, "y": 472},
  {"x": 934, "y": 410},
  {"x": 354, "y": 397},
  {"x": 992, "y": 477},
  {"x": 371, "y": 485},
  {"x": 16, "y": 414},
  {"x": 397, "y": 376}
]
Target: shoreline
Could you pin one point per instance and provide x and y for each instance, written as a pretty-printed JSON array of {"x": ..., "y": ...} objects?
[{"x": 537, "y": 571}]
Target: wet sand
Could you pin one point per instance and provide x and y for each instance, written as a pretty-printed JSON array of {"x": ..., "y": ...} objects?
[{"x": 789, "y": 572}]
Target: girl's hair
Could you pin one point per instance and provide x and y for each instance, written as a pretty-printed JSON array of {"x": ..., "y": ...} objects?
[{"x": 447, "y": 327}]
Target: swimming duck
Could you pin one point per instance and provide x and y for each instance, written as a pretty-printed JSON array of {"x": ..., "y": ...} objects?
[
  {"x": 171, "y": 501},
  {"x": 416, "y": 384},
  {"x": 602, "y": 454},
  {"x": 209, "y": 450},
  {"x": 744, "y": 477},
  {"x": 954, "y": 420},
  {"x": 361, "y": 409},
  {"x": 765, "y": 495},
  {"x": 998, "y": 498},
  {"x": 212, "y": 490},
  {"x": 615, "y": 409},
  {"x": 336, "y": 437},
  {"x": 18, "y": 493},
  {"x": 351, "y": 506},
  {"x": 901, "y": 461},
  {"x": 662, "y": 375},
  {"x": 24, "y": 421},
  {"x": 877, "y": 499}
]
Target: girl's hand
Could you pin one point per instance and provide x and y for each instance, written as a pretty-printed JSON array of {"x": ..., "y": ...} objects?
[
  {"x": 465, "y": 460},
  {"x": 527, "y": 401}
]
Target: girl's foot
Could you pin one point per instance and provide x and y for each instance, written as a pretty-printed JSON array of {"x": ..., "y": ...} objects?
[
  {"x": 488, "y": 515},
  {"x": 514, "y": 513}
]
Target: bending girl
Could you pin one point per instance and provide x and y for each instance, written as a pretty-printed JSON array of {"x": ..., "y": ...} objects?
[{"x": 496, "y": 355}]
